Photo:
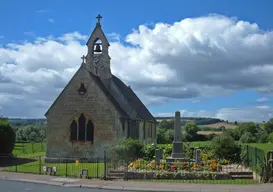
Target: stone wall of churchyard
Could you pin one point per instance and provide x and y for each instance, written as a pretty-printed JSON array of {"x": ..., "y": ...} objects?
[{"x": 96, "y": 106}]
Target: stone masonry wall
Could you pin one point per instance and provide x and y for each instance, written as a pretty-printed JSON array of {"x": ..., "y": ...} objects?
[{"x": 96, "y": 106}]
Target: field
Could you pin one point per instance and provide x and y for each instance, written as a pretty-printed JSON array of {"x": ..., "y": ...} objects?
[{"x": 218, "y": 125}]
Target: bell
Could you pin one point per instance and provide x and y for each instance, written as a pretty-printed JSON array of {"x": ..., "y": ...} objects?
[{"x": 97, "y": 49}]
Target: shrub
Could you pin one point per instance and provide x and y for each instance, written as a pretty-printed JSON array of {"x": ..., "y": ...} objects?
[
  {"x": 262, "y": 137},
  {"x": 148, "y": 151},
  {"x": 224, "y": 147},
  {"x": 7, "y": 137},
  {"x": 211, "y": 136},
  {"x": 128, "y": 149},
  {"x": 248, "y": 138},
  {"x": 270, "y": 138}
]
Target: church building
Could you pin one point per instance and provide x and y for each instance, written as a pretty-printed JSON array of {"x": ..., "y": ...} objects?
[{"x": 96, "y": 109}]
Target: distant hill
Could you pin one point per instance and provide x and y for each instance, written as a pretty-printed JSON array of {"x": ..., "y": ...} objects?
[
  {"x": 19, "y": 121},
  {"x": 221, "y": 124},
  {"x": 198, "y": 120}
]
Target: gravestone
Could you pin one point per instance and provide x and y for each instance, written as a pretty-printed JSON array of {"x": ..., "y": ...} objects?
[
  {"x": 194, "y": 152},
  {"x": 49, "y": 170},
  {"x": 54, "y": 171},
  {"x": 198, "y": 156},
  {"x": 158, "y": 155},
  {"x": 177, "y": 142},
  {"x": 84, "y": 174}
]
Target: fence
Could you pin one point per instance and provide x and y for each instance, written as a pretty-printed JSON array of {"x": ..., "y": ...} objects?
[
  {"x": 54, "y": 166},
  {"x": 24, "y": 148},
  {"x": 209, "y": 170}
]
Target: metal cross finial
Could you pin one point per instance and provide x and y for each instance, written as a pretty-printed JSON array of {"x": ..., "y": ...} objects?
[
  {"x": 83, "y": 57},
  {"x": 99, "y": 17}
]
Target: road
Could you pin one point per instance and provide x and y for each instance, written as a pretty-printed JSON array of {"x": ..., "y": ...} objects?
[{"x": 15, "y": 186}]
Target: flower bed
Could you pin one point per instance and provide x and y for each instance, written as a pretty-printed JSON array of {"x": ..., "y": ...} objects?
[
  {"x": 186, "y": 175},
  {"x": 210, "y": 168}
]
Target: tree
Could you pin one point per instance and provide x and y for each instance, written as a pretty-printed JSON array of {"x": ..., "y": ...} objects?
[
  {"x": 270, "y": 138},
  {"x": 235, "y": 133},
  {"x": 7, "y": 137},
  {"x": 164, "y": 136},
  {"x": 268, "y": 126},
  {"x": 248, "y": 127},
  {"x": 31, "y": 133},
  {"x": 224, "y": 146},
  {"x": 191, "y": 130},
  {"x": 235, "y": 122},
  {"x": 166, "y": 124},
  {"x": 247, "y": 137}
]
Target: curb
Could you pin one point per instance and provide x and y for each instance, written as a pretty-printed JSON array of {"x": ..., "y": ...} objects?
[
  {"x": 90, "y": 186},
  {"x": 119, "y": 188}
]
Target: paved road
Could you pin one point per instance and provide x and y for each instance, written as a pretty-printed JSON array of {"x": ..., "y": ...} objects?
[{"x": 15, "y": 186}]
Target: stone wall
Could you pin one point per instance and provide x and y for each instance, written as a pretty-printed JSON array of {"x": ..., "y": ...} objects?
[{"x": 96, "y": 106}]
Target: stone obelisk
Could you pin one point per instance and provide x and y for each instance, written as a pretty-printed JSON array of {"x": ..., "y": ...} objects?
[{"x": 177, "y": 141}]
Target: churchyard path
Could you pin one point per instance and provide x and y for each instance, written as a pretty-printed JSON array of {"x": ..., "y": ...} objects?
[{"x": 95, "y": 185}]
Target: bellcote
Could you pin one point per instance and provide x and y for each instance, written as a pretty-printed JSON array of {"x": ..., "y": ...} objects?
[
  {"x": 97, "y": 59},
  {"x": 98, "y": 38}
]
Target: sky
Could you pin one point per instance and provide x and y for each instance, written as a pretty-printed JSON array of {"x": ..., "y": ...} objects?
[{"x": 205, "y": 58}]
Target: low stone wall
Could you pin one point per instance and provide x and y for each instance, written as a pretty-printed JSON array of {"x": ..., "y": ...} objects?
[{"x": 177, "y": 175}]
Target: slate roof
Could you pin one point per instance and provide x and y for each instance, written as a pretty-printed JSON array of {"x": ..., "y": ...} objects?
[
  {"x": 109, "y": 95},
  {"x": 133, "y": 100}
]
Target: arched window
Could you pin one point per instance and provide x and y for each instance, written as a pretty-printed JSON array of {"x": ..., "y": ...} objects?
[
  {"x": 73, "y": 131},
  {"x": 82, "y": 123},
  {"x": 83, "y": 130},
  {"x": 90, "y": 131}
]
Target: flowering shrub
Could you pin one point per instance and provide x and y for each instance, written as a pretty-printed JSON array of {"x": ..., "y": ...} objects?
[{"x": 208, "y": 164}]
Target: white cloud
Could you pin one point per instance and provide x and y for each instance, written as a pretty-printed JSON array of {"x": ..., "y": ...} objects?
[
  {"x": 195, "y": 57},
  {"x": 51, "y": 20},
  {"x": 262, "y": 100}
]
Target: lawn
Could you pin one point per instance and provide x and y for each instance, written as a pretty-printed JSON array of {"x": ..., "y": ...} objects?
[
  {"x": 264, "y": 146},
  {"x": 63, "y": 169},
  {"x": 23, "y": 149}
]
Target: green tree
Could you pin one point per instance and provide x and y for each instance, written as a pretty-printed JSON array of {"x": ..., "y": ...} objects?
[
  {"x": 191, "y": 130},
  {"x": 224, "y": 147},
  {"x": 270, "y": 138},
  {"x": 247, "y": 137},
  {"x": 268, "y": 126},
  {"x": 7, "y": 137},
  {"x": 166, "y": 124},
  {"x": 31, "y": 133},
  {"x": 248, "y": 127}
]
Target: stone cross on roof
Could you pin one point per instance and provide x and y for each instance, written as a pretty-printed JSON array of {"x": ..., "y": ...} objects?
[
  {"x": 99, "y": 18},
  {"x": 83, "y": 57}
]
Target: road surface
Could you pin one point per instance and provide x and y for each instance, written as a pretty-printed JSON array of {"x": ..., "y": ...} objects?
[{"x": 15, "y": 186}]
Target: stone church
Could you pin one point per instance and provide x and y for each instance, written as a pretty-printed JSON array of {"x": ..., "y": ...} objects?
[{"x": 96, "y": 109}]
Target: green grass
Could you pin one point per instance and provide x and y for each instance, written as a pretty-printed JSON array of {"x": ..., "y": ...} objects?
[
  {"x": 264, "y": 146},
  {"x": 22, "y": 149},
  {"x": 230, "y": 181},
  {"x": 63, "y": 169}
]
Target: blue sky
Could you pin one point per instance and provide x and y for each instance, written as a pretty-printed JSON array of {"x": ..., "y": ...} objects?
[{"x": 23, "y": 23}]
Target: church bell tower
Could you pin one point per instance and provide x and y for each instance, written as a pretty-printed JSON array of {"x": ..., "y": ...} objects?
[{"x": 98, "y": 59}]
